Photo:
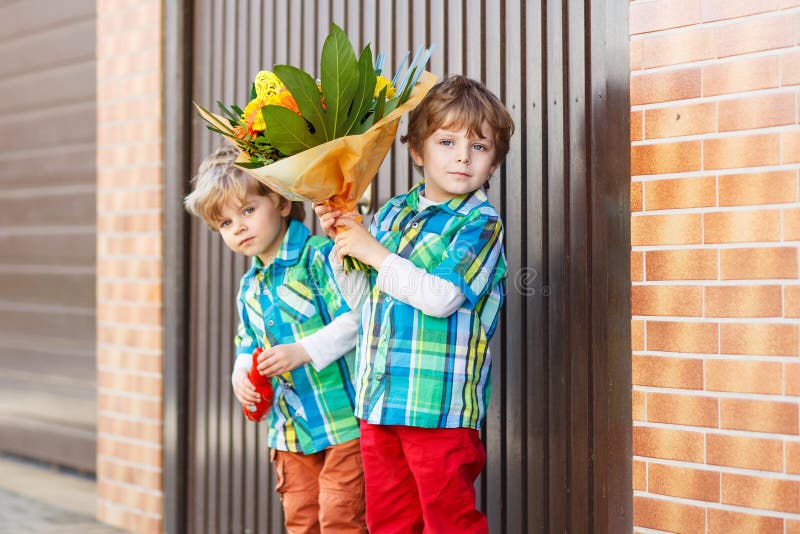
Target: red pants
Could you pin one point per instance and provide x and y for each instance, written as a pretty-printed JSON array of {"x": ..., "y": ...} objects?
[
  {"x": 322, "y": 492},
  {"x": 422, "y": 479}
]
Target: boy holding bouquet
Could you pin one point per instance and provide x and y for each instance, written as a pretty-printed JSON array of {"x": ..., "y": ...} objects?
[
  {"x": 428, "y": 311},
  {"x": 290, "y": 307}
]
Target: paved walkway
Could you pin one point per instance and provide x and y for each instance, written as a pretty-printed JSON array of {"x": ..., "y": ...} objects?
[
  {"x": 37, "y": 499},
  {"x": 23, "y": 515}
]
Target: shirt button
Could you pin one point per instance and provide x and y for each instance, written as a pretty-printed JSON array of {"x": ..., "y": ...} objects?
[
  {"x": 378, "y": 376},
  {"x": 388, "y": 299},
  {"x": 270, "y": 323},
  {"x": 414, "y": 224},
  {"x": 384, "y": 337}
]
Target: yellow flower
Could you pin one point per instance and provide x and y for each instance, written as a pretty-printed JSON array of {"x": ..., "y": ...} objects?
[
  {"x": 267, "y": 84},
  {"x": 382, "y": 82},
  {"x": 252, "y": 115}
]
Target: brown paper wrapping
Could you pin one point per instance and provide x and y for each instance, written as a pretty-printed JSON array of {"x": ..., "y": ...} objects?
[{"x": 340, "y": 170}]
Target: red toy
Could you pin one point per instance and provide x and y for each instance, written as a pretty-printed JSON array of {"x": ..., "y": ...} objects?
[{"x": 263, "y": 385}]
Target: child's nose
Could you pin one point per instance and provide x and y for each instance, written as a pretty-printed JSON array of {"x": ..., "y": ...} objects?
[{"x": 463, "y": 155}]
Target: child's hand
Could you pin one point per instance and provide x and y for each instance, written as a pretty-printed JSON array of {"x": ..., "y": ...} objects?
[
  {"x": 328, "y": 218},
  {"x": 282, "y": 359},
  {"x": 244, "y": 390},
  {"x": 356, "y": 241}
]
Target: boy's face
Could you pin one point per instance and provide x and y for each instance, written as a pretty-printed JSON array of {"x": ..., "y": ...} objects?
[
  {"x": 454, "y": 162},
  {"x": 255, "y": 226}
]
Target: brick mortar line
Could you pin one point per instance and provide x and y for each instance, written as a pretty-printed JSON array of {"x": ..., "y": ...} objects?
[
  {"x": 726, "y": 432},
  {"x": 125, "y": 485},
  {"x": 721, "y": 320},
  {"x": 711, "y": 23},
  {"x": 703, "y": 357},
  {"x": 128, "y": 395},
  {"x": 717, "y": 209},
  {"x": 128, "y": 371},
  {"x": 128, "y": 463},
  {"x": 701, "y": 63},
  {"x": 123, "y": 416},
  {"x": 717, "y": 506},
  {"x": 131, "y": 441},
  {"x": 130, "y": 326},
  {"x": 118, "y": 234},
  {"x": 135, "y": 511},
  {"x": 157, "y": 212},
  {"x": 760, "y": 282},
  {"x": 127, "y": 144},
  {"x": 713, "y": 136},
  {"x": 128, "y": 256},
  {"x": 715, "y": 246},
  {"x": 710, "y": 99},
  {"x": 705, "y": 173},
  {"x": 719, "y": 395},
  {"x": 133, "y": 350}
]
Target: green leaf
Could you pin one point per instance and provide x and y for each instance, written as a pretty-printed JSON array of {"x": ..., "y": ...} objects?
[
  {"x": 228, "y": 114},
  {"x": 253, "y": 93},
  {"x": 253, "y": 164},
  {"x": 363, "y": 96},
  {"x": 379, "y": 106},
  {"x": 338, "y": 68},
  {"x": 306, "y": 94},
  {"x": 287, "y": 131}
]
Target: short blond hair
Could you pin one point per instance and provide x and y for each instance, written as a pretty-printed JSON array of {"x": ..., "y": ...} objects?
[{"x": 219, "y": 180}]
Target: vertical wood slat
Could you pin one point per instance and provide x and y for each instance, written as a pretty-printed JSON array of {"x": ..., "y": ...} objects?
[{"x": 555, "y": 353}]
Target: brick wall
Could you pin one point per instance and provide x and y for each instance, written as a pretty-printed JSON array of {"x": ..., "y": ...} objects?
[
  {"x": 129, "y": 264},
  {"x": 715, "y": 232}
]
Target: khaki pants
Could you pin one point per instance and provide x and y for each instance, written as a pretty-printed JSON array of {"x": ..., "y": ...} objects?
[{"x": 322, "y": 492}]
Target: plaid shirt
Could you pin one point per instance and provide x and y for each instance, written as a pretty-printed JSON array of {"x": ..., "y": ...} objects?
[
  {"x": 293, "y": 297},
  {"x": 416, "y": 369}
]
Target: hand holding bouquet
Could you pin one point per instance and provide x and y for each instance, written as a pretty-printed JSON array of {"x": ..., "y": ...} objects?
[{"x": 323, "y": 141}]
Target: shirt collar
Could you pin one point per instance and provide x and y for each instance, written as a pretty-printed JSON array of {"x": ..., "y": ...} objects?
[
  {"x": 291, "y": 246},
  {"x": 458, "y": 205}
]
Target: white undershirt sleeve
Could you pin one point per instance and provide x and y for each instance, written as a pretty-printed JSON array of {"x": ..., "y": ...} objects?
[
  {"x": 416, "y": 287},
  {"x": 354, "y": 286},
  {"x": 336, "y": 338}
]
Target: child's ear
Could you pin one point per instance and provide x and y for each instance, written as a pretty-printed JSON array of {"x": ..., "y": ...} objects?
[
  {"x": 285, "y": 206},
  {"x": 416, "y": 158}
]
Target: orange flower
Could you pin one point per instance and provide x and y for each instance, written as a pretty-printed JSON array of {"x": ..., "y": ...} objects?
[{"x": 285, "y": 99}]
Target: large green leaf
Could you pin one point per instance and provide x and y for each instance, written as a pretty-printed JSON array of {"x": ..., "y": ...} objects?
[
  {"x": 287, "y": 131},
  {"x": 363, "y": 96},
  {"x": 306, "y": 94},
  {"x": 338, "y": 68}
]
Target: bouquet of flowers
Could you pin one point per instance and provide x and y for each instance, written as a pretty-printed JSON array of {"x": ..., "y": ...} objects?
[{"x": 323, "y": 140}]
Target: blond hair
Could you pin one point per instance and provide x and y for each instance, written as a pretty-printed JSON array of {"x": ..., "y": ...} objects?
[{"x": 220, "y": 180}]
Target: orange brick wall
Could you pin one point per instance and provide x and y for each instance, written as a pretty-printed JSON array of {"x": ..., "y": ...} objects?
[
  {"x": 129, "y": 264},
  {"x": 715, "y": 203}
]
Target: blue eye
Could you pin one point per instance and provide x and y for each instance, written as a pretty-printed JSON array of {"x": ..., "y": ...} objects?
[
  {"x": 225, "y": 223},
  {"x": 479, "y": 148},
  {"x": 248, "y": 210},
  {"x": 446, "y": 142}
]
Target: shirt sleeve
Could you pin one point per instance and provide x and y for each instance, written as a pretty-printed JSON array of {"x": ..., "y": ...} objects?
[
  {"x": 471, "y": 259},
  {"x": 416, "y": 287},
  {"x": 245, "y": 340},
  {"x": 339, "y": 336},
  {"x": 332, "y": 341}
]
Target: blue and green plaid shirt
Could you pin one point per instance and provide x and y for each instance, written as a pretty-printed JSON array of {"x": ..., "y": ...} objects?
[
  {"x": 416, "y": 369},
  {"x": 291, "y": 298}
]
